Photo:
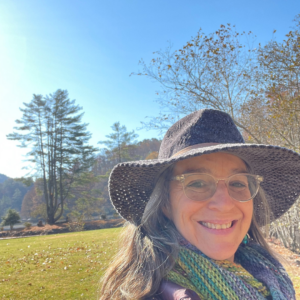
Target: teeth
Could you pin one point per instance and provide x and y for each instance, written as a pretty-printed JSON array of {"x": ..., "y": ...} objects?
[{"x": 216, "y": 226}]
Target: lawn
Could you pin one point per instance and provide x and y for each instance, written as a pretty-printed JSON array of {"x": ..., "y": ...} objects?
[
  {"x": 62, "y": 266},
  {"x": 69, "y": 266}
]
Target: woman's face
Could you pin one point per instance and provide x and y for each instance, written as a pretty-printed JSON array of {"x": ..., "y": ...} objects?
[{"x": 193, "y": 218}]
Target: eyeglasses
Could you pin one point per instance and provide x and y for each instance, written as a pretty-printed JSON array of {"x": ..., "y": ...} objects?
[{"x": 199, "y": 187}]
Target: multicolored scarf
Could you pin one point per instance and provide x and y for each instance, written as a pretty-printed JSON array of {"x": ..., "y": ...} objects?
[{"x": 255, "y": 274}]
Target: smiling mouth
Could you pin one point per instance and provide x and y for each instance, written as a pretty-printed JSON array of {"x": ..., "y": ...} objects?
[{"x": 217, "y": 226}]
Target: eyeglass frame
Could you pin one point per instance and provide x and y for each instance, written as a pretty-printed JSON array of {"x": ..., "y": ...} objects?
[{"x": 182, "y": 177}]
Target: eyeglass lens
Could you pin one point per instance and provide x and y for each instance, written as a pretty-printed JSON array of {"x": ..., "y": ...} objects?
[{"x": 240, "y": 187}]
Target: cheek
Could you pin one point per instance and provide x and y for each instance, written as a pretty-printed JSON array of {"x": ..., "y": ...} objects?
[{"x": 183, "y": 209}]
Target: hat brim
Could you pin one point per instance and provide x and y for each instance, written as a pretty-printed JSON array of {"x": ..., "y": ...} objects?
[{"x": 131, "y": 183}]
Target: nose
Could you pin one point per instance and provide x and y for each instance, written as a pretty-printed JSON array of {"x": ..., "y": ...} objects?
[{"x": 221, "y": 200}]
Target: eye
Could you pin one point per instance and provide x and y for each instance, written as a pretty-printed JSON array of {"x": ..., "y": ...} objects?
[
  {"x": 197, "y": 184},
  {"x": 237, "y": 184}
]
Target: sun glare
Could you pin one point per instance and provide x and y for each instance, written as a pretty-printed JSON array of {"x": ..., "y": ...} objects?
[{"x": 13, "y": 54}]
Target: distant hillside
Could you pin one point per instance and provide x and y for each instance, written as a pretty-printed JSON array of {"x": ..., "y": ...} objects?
[
  {"x": 3, "y": 178},
  {"x": 11, "y": 194}
]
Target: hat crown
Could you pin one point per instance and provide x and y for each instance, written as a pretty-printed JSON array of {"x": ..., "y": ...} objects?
[{"x": 200, "y": 127}]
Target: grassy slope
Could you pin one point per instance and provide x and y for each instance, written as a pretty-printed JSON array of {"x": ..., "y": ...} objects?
[
  {"x": 67, "y": 266},
  {"x": 63, "y": 266}
]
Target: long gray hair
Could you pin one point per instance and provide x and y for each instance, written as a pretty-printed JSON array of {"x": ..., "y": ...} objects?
[{"x": 149, "y": 251}]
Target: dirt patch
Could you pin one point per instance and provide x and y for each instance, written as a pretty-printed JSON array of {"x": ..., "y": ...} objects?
[{"x": 60, "y": 228}]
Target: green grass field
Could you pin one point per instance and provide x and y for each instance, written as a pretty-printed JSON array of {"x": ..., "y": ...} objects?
[{"x": 62, "y": 266}]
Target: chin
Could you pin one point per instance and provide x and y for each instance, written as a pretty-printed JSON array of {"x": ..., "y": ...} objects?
[
  {"x": 226, "y": 256},
  {"x": 220, "y": 252}
]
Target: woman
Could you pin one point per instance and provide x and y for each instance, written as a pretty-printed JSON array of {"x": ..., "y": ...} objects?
[{"x": 194, "y": 216}]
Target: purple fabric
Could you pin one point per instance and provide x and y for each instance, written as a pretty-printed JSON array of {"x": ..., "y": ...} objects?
[{"x": 172, "y": 291}]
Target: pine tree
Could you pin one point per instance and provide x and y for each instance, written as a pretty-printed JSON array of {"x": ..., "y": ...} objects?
[
  {"x": 11, "y": 218},
  {"x": 119, "y": 142},
  {"x": 52, "y": 130}
]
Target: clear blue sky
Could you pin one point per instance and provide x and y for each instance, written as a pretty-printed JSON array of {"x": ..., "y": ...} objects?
[{"x": 90, "y": 48}]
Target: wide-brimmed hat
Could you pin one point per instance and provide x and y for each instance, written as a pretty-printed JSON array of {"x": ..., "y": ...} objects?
[{"x": 203, "y": 132}]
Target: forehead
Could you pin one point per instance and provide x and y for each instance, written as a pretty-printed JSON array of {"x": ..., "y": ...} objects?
[{"x": 218, "y": 164}]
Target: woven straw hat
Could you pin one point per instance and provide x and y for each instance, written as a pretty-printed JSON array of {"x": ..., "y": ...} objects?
[{"x": 203, "y": 132}]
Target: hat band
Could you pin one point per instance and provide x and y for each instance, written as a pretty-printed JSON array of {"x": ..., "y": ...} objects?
[{"x": 194, "y": 147}]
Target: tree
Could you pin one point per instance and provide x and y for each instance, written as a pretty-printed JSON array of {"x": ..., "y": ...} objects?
[
  {"x": 17, "y": 197},
  {"x": 209, "y": 71},
  {"x": 274, "y": 114},
  {"x": 39, "y": 212},
  {"x": 119, "y": 142},
  {"x": 52, "y": 129},
  {"x": 152, "y": 155},
  {"x": 5, "y": 204},
  {"x": 87, "y": 200},
  {"x": 11, "y": 218},
  {"x": 28, "y": 203}
]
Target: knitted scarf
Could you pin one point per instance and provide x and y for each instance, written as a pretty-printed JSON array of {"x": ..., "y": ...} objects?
[{"x": 255, "y": 274}]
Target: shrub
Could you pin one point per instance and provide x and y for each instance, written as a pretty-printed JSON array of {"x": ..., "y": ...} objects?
[
  {"x": 40, "y": 223},
  {"x": 27, "y": 225}
]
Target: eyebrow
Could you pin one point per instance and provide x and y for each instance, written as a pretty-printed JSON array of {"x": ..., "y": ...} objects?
[
  {"x": 198, "y": 170},
  {"x": 207, "y": 171}
]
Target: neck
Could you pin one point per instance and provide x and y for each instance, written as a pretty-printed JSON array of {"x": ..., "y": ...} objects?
[{"x": 231, "y": 259}]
